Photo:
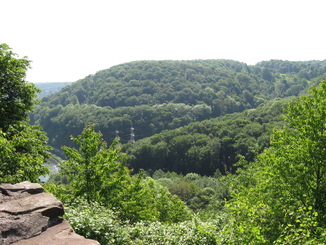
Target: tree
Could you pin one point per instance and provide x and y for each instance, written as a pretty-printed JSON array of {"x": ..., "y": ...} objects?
[
  {"x": 23, "y": 152},
  {"x": 95, "y": 170},
  {"x": 275, "y": 197},
  {"x": 99, "y": 173},
  {"x": 23, "y": 148},
  {"x": 300, "y": 149},
  {"x": 17, "y": 96}
]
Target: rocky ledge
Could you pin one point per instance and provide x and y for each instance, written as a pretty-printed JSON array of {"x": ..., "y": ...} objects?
[{"x": 30, "y": 216}]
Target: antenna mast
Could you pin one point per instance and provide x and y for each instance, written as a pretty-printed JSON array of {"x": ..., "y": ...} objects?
[
  {"x": 117, "y": 134},
  {"x": 132, "y": 135}
]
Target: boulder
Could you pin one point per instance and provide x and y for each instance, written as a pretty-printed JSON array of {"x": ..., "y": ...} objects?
[
  {"x": 30, "y": 216},
  {"x": 61, "y": 233},
  {"x": 26, "y": 186}
]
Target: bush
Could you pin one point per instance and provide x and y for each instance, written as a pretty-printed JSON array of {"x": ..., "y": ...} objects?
[
  {"x": 188, "y": 232},
  {"x": 96, "y": 222}
]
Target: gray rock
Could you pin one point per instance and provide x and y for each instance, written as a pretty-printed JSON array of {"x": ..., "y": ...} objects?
[
  {"x": 15, "y": 228},
  {"x": 62, "y": 233},
  {"x": 44, "y": 203},
  {"x": 30, "y": 216},
  {"x": 31, "y": 188}
]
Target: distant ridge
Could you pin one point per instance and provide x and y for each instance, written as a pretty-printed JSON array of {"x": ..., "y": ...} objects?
[{"x": 50, "y": 88}]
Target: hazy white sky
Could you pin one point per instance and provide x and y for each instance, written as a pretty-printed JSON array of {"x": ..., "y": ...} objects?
[{"x": 70, "y": 39}]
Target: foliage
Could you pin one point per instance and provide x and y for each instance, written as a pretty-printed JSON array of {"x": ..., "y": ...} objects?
[
  {"x": 107, "y": 225},
  {"x": 155, "y": 96},
  {"x": 191, "y": 232},
  {"x": 17, "y": 96},
  {"x": 304, "y": 162},
  {"x": 159, "y": 95},
  {"x": 96, "y": 221},
  {"x": 95, "y": 170},
  {"x": 276, "y": 198},
  {"x": 64, "y": 193},
  {"x": 184, "y": 189},
  {"x": 23, "y": 152},
  {"x": 58, "y": 178},
  {"x": 271, "y": 196},
  {"x": 305, "y": 69},
  {"x": 203, "y": 147},
  {"x": 23, "y": 149},
  {"x": 203, "y": 194},
  {"x": 304, "y": 229},
  {"x": 99, "y": 174}
]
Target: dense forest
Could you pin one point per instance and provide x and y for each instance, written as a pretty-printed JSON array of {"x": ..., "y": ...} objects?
[
  {"x": 153, "y": 96},
  {"x": 175, "y": 184},
  {"x": 202, "y": 147},
  {"x": 276, "y": 196}
]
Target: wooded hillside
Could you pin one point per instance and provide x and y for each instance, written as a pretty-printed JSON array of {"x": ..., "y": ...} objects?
[
  {"x": 202, "y": 147},
  {"x": 277, "y": 195},
  {"x": 152, "y": 96}
]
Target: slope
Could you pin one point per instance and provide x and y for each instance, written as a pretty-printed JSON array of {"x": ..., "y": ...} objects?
[{"x": 151, "y": 96}]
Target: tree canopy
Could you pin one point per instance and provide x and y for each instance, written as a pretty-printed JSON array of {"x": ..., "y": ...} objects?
[
  {"x": 17, "y": 96},
  {"x": 202, "y": 147},
  {"x": 280, "y": 197},
  {"x": 154, "y": 96},
  {"x": 99, "y": 173},
  {"x": 159, "y": 95},
  {"x": 211, "y": 118},
  {"x": 23, "y": 148}
]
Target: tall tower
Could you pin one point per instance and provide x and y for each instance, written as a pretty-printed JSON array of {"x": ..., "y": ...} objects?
[
  {"x": 117, "y": 134},
  {"x": 132, "y": 135}
]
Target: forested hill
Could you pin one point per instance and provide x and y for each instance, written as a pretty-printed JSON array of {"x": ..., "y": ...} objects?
[
  {"x": 305, "y": 69},
  {"x": 210, "y": 145},
  {"x": 152, "y": 96},
  {"x": 50, "y": 88}
]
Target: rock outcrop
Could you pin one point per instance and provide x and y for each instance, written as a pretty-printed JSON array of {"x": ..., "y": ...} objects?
[{"x": 30, "y": 216}]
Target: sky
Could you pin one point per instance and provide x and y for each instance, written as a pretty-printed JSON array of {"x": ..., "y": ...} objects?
[{"x": 67, "y": 40}]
